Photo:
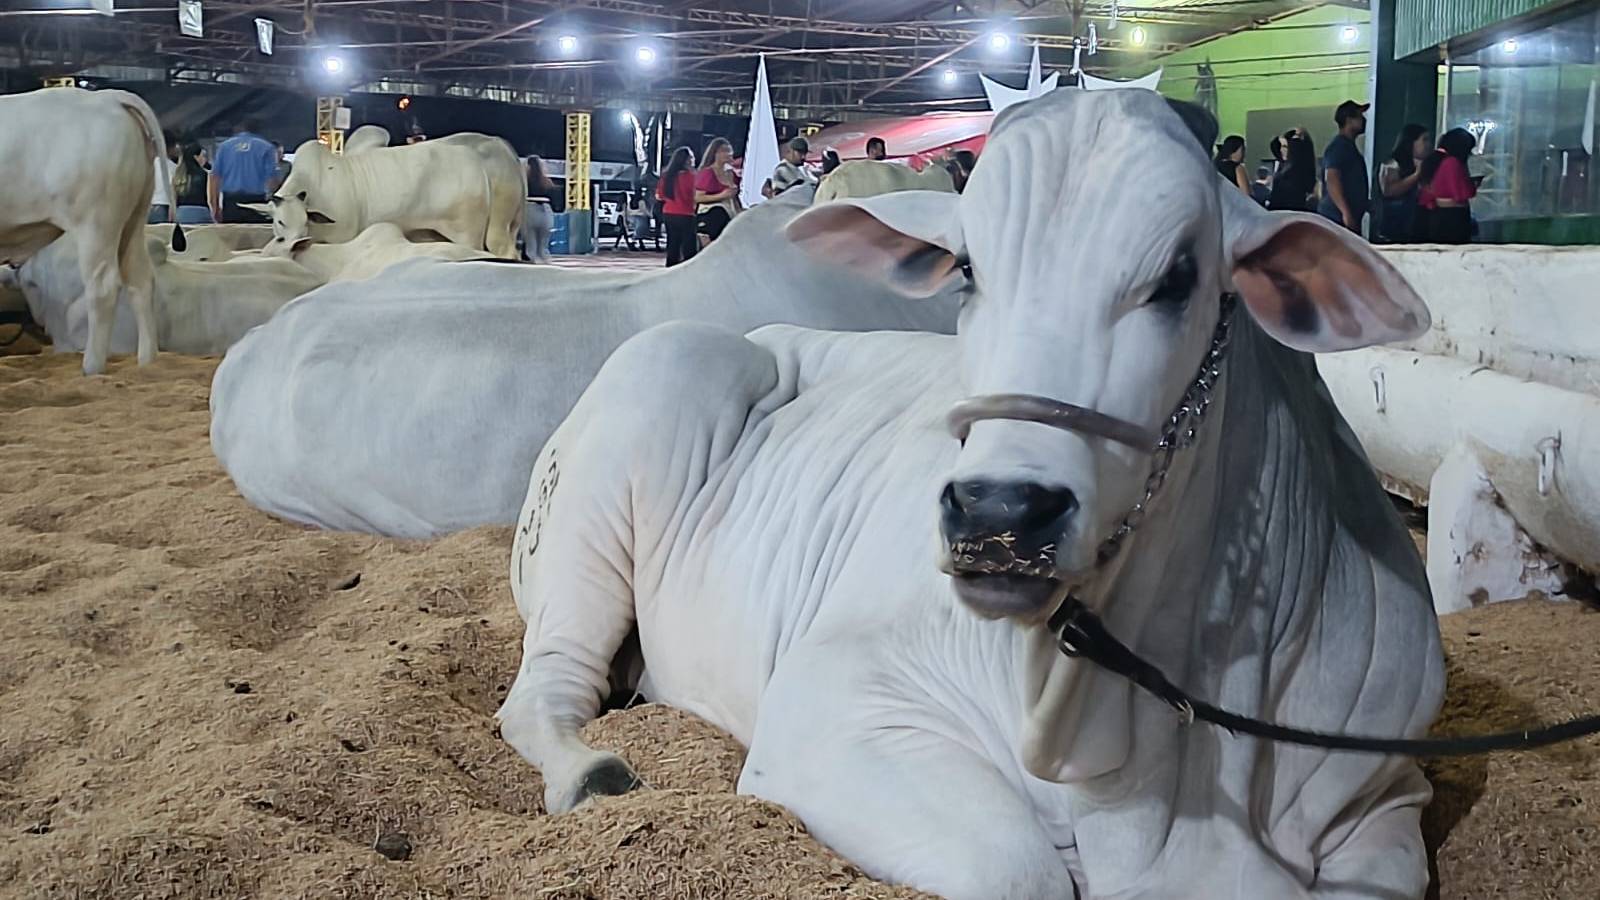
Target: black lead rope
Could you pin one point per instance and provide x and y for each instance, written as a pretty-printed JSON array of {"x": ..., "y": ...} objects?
[{"x": 1082, "y": 634}]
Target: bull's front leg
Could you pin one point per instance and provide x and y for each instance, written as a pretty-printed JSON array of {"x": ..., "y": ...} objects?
[
  {"x": 612, "y": 483},
  {"x": 1381, "y": 853}
]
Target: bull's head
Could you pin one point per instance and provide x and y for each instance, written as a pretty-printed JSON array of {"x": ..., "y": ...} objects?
[{"x": 1094, "y": 240}]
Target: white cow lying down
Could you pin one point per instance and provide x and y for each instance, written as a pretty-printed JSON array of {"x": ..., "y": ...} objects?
[
  {"x": 212, "y": 243},
  {"x": 871, "y": 177},
  {"x": 205, "y": 304},
  {"x": 201, "y": 307},
  {"x": 414, "y": 404},
  {"x": 775, "y": 516}
]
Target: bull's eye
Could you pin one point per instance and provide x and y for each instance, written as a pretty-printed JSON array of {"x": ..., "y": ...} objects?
[{"x": 1179, "y": 282}]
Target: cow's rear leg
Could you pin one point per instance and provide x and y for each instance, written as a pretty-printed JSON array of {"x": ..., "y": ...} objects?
[
  {"x": 881, "y": 773},
  {"x": 138, "y": 279},
  {"x": 611, "y": 484},
  {"x": 99, "y": 267}
]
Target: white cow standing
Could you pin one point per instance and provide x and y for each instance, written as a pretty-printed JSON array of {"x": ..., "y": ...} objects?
[
  {"x": 811, "y": 561},
  {"x": 438, "y": 382},
  {"x": 461, "y": 187},
  {"x": 95, "y": 187}
]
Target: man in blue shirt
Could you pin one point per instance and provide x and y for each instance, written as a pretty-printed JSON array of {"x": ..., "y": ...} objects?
[
  {"x": 241, "y": 170},
  {"x": 1345, "y": 182}
]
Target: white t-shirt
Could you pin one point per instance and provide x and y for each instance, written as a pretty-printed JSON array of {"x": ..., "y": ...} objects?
[{"x": 159, "y": 197}]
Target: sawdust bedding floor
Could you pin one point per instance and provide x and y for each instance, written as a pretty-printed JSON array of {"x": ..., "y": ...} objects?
[{"x": 199, "y": 701}]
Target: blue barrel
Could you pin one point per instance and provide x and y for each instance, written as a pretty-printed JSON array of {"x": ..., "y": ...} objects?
[{"x": 560, "y": 235}]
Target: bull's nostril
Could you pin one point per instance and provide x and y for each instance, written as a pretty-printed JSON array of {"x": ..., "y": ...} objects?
[
  {"x": 1042, "y": 505},
  {"x": 986, "y": 507}
]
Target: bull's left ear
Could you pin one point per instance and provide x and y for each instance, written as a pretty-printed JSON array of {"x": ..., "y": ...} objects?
[
  {"x": 909, "y": 240},
  {"x": 320, "y": 219},
  {"x": 1312, "y": 285}
]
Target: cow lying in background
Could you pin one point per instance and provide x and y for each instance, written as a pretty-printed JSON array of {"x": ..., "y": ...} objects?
[
  {"x": 212, "y": 243},
  {"x": 461, "y": 187},
  {"x": 332, "y": 413},
  {"x": 95, "y": 188},
  {"x": 200, "y": 307},
  {"x": 373, "y": 251},
  {"x": 811, "y": 560},
  {"x": 871, "y": 177},
  {"x": 204, "y": 305}
]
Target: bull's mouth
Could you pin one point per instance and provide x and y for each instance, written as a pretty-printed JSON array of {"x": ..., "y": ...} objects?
[{"x": 997, "y": 578}]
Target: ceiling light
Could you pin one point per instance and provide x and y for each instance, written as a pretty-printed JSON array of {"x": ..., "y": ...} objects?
[
  {"x": 644, "y": 55},
  {"x": 567, "y": 43},
  {"x": 1348, "y": 34},
  {"x": 999, "y": 41},
  {"x": 1509, "y": 45},
  {"x": 1138, "y": 36},
  {"x": 333, "y": 65},
  {"x": 949, "y": 76},
  {"x": 626, "y": 116}
]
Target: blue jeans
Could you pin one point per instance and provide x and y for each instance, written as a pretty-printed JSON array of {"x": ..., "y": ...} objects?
[{"x": 195, "y": 215}]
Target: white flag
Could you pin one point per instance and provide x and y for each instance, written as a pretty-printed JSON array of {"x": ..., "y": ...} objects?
[
  {"x": 264, "y": 29},
  {"x": 1588, "y": 121},
  {"x": 761, "y": 145},
  {"x": 189, "y": 18}
]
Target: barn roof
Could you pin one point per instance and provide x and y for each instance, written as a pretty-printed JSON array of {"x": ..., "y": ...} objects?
[{"x": 827, "y": 59}]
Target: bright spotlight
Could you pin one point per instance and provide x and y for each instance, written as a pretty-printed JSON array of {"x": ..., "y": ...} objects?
[
  {"x": 949, "y": 76},
  {"x": 333, "y": 65},
  {"x": 626, "y": 116},
  {"x": 1138, "y": 36},
  {"x": 999, "y": 41},
  {"x": 1348, "y": 34},
  {"x": 567, "y": 43},
  {"x": 644, "y": 55},
  {"x": 1509, "y": 45}
]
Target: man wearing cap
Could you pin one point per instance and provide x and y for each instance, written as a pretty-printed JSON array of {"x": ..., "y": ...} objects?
[
  {"x": 1345, "y": 191},
  {"x": 791, "y": 171}
]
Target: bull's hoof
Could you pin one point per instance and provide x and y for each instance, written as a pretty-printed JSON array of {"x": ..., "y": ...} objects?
[{"x": 610, "y": 777}]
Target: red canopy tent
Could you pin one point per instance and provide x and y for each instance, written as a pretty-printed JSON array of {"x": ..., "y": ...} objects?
[{"x": 915, "y": 139}]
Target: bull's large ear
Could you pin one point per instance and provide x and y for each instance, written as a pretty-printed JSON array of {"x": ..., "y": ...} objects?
[
  {"x": 909, "y": 240},
  {"x": 317, "y": 217},
  {"x": 1313, "y": 285}
]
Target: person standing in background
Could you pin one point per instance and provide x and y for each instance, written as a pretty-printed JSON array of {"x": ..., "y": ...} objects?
[
  {"x": 1444, "y": 198},
  {"x": 791, "y": 171},
  {"x": 160, "y": 201},
  {"x": 241, "y": 170},
  {"x": 189, "y": 184},
  {"x": 877, "y": 149},
  {"x": 716, "y": 190},
  {"x": 1261, "y": 188},
  {"x": 281, "y": 174},
  {"x": 675, "y": 190},
  {"x": 1230, "y": 162},
  {"x": 1296, "y": 180},
  {"x": 1399, "y": 180},
  {"x": 539, "y": 220},
  {"x": 1346, "y": 188}
]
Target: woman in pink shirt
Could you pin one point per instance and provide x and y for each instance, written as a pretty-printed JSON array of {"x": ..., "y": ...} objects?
[
  {"x": 716, "y": 190},
  {"x": 1445, "y": 199}
]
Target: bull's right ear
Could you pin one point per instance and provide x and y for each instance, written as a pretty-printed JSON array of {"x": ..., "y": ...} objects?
[
  {"x": 909, "y": 240},
  {"x": 264, "y": 208}
]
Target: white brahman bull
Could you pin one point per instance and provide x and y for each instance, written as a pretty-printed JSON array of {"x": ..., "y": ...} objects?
[
  {"x": 413, "y": 404},
  {"x": 461, "y": 187},
  {"x": 374, "y": 250},
  {"x": 95, "y": 187},
  {"x": 871, "y": 177},
  {"x": 212, "y": 243},
  {"x": 810, "y": 559},
  {"x": 200, "y": 307}
]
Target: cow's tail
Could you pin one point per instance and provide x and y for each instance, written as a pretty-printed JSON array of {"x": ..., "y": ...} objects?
[{"x": 156, "y": 143}]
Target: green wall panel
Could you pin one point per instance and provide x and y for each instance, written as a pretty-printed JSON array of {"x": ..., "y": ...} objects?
[
  {"x": 1423, "y": 24},
  {"x": 1296, "y": 63}
]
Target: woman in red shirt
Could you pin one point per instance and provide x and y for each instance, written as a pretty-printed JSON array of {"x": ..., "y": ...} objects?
[
  {"x": 676, "y": 193},
  {"x": 716, "y": 189},
  {"x": 1445, "y": 199}
]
